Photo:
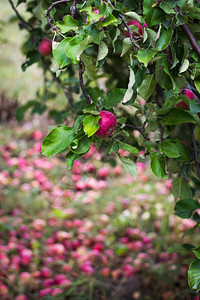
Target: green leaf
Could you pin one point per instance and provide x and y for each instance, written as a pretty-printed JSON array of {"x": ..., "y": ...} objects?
[
  {"x": 90, "y": 124},
  {"x": 70, "y": 158},
  {"x": 164, "y": 39},
  {"x": 113, "y": 147},
  {"x": 153, "y": 36},
  {"x": 109, "y": 20},
  {"x": 133, "y": 15},
  {"x": 197, "y": 84},
  {"x": 158, "y": 165},
  {"x": 89, "y": 67},
  {"x": 72, "y": 48},
  {"x": 129, "y": 148},
  {"x": 184, "y": 208},
  {"x": 181, "y": 189},
  {"x": 178, "y": 116},
  {"x": 57, "y": 140},
  {"x": 190, "y": 231},
  {"x": 75, "y": 47},
  {"x": 82, "y": 146},
  {"x": 114, "y": 97},
  {"x": 103, "y": 51},
  {"x": 184, "y": 66},
  {"x": 67, "y": 24},
  {"x": 194, "y": 275},
  {"x": 194, "y": 106},
  {"x": 129, "y": 91},
  {"x": 78, "y": 122},
  {"x": 168, "y": 6},
  {"x": 147, "y": 87},
  {"x": 152, "y": 15},
  {"x": 59, "y": 54},
  {"x": 169, "y": 148},
  {"x": 129, "y": 165},
  {"x": 91, "y": 109},
  {"x": 197, "y": 252},
  {"x": 126, "y": 46},
  {"x": 145, "y": 55}
]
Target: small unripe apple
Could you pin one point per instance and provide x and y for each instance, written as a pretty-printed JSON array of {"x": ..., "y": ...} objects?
[
  {"x": 140, "y": 28},
  {"x": 189, "y": 94},
  {"x": 45, "y": 48},
  {"x": 107, "y": 124}
]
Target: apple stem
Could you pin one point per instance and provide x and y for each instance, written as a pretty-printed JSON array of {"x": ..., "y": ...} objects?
[
  {"x": 196, "y": 156},
  {"x": 81, "y": 70},
  {"x": 23, "y": 22},
  {"x": 138, "y": 128}
]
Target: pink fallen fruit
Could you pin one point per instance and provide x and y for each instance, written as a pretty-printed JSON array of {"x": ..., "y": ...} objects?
[
  {"x": 136, "y": 23},
  {"x": 45, "y": 48},
  {"x": 189, "y": 94},
  {"x": 107, "y": 124}
]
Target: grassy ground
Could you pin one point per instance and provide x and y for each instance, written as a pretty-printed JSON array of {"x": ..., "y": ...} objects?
[
  {"x": 105, "y": 235},
  {"x": 14, "y": 81}
]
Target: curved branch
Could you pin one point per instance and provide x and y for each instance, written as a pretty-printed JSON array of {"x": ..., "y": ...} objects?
[
  {"x": 23, "y": 22},
  {"x": 87, "y": 97},
  {"x": 139, "y": 128},
  {"x": 190, "y": 36},
  {"x": 126, "y": 25},
  {"x": 196, "y": 157},
  {"x": 49, "y": 10}
]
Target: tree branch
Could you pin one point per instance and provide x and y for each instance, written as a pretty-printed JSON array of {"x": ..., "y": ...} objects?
[
  {"x": 23, "y": 22},
  {"x": 87, "y": 97},
  {"x": 126, "y": 25},
  {"x": 49, "y": 10},
  {"x": 196, "y": 157},
  {"x": 190, "y": 36},
  {"x": 73, "y": 9},
  {"x": 139, "y": 128}
]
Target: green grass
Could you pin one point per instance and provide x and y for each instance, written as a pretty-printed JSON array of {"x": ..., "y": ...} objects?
[{"x": 14, "y": 81}]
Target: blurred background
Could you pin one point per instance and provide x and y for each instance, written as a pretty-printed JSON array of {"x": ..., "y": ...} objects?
[{"x": 89, "y": 233}]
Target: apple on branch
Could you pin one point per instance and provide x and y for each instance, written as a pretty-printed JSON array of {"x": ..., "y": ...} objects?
[
  {"x": 107, "y": 124},
  {"x": 189, "y": 94},
  {"x": 45, "y": 48},
  {"x": 140, "y": 28}
]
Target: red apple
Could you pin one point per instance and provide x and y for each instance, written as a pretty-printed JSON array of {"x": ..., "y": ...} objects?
[
  {"x": 189, "y": 94},
  {"x": 140, "y": 29},
  {"x": 45, "y": 48},
  {"x": 107, "y": 124}
]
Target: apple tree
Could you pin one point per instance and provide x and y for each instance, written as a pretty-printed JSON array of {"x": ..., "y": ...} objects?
[{"x": 130, "y": 73}]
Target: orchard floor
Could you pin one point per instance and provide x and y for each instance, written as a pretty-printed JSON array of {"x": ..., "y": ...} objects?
[{"x": 90, "y": 233}]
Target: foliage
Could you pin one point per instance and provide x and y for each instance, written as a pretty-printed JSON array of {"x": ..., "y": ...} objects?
[{"x": 139, "y": 78}]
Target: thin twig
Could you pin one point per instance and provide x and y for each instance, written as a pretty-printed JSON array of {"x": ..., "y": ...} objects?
[
  {"x": 196, "y": 157},
  {"x": 126, "y": 25},
  {"x": 49, "y": 10},
  {"x": 23, "y": 22},
  {"x": 190, "y": 36},
  {"x": 73, "y": 9},
  {"x": 138, "y": 128},
  {"x": 87, "y": 97}
]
